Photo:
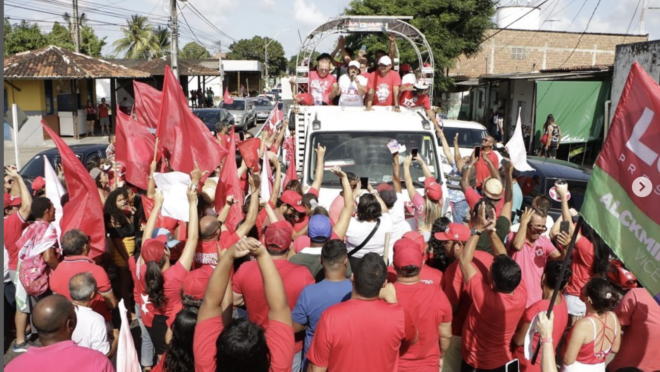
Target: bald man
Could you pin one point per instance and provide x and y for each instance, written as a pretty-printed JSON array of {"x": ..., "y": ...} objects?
[{"x": 55, "y": 319}]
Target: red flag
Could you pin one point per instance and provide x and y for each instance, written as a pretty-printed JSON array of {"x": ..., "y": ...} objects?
[
  {"x": 134, "y": 149},
  {"x": 274, "y": 118},
  {"x": 227, "y": 98},
  {"x": 230, "y": 185},
  {"x": 147, "y": 104},
  {"x": 183, "y": 134},
  {"x": 84, "y": 210},
  {"x": 250, "y": 152},
  {"x": 291, "y": 173}
]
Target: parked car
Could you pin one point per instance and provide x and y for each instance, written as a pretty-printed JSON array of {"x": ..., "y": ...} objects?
[
  {"x": 549, "y": 171},
  {"x": 211, "y": 116},
  {"x": 35, "y": 166},
  {"x": 263, "y": 107},
  {"x": 243, "y": 111}
]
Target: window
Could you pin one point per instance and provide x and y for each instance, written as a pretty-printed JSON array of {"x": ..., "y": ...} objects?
[{"x": 518, "y": 53}]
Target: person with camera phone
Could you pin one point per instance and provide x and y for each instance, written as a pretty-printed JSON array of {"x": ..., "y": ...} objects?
[{"x": 352, "y": 86}]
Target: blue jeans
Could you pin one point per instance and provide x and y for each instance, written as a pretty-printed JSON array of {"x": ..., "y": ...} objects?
[
  {"x": 147, "y": 350},
  {"x": 459, "y": 211}
]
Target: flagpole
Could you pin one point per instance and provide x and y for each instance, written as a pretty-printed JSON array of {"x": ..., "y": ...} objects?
[
  {"x": 564, "y": 266},
  {"x": 156, "y": 149}
]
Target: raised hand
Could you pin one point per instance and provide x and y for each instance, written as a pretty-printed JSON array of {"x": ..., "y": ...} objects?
[
  {"x": 526, "y": 216},
  {"x": 159, "y": 197},
  {"x": 408, "y": 161},
  {"x": 196, "y": 174},
  {"x": 191, "y": 192},
  {"x": 336, "y": 170},
  {"x": 320, "y": 150},
  {"x": 230, "y": 200}
]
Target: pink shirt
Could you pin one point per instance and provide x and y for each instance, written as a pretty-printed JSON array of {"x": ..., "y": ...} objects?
[
  {"x": 63, "y": 356},
  {"x": 320, "y": 88},
  {"x": 532, "y": 259}
]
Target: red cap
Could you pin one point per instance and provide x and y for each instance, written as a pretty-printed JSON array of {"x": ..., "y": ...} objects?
[
  {"x": 293, "y": 199},
  {"x": 278, "y": 236},
  {"x": 417, "y": 238},
  {"x": 196, "y": 282},
  {"x": 152, "y": 250},
  {"x": 38, "y": 184},
  {"x": 307, "y": 99},
  {"x": 12, "y": 201},
  {"x": 384, "y": 186},
  {"x": 455, "y": 231},
  {"x": 405, "y": 68},
  {"x": 406, "y": 253},
  {"x": 433, "y": 189},
  {"x": 618, "y": 275}
]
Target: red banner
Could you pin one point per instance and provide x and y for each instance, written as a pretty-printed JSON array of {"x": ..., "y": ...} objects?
[
  {"x": 147, "y": 104},
  {"x": 134, "y": 148}
]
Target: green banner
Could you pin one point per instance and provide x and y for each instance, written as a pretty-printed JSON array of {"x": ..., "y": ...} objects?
[
  {"x": 577, "y": 106},
  {"x": 631, "y": 234}
]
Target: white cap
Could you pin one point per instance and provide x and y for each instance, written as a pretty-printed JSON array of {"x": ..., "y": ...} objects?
[
  {"x": 420, "y": 85},
  {"x": 385, "y": 60},
  {"x": 355, "y": 64}
]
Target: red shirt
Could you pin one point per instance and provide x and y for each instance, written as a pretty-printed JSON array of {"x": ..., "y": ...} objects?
[
  {"x": 454, "y": 288},
  {"x": 248, "y": 282},
  {"x": 320, "y": 88},
  {"x": 14, "y": 226},
  {"x": 427, "y": 275},
  {"x": 384, "y": 87},
  {"x": 72, "y": 265},
  {"x": 481, "y": 167},
  {"x": 526, "y": 185},
  {"x": 173, "y": 280},
  {"x": 639, "y": 316},
  {"x": 582, "y": 260},
  {"x": 490, "y": 324},
  {"x": 279, "y": 338},
  {"x": 472, "y": 197},
  {"x": 103, "y": 110},
  {"x": 361, "y": 335},
  {"x": 207, "y": 253},
  {"x": 559, "y": 326},
  {"x": 63, "y": 356},
  {"x": 427, "y": 307},
  {"x": 408, "y": 99}
]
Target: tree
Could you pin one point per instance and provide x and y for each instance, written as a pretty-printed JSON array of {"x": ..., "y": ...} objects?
[
  {"x": 253, "y": 49},
  {"x": 451, "y": 27},
  {"x": 23, "y": 37},
  {"x": 139, "y": 40},
  {"x": 192, "y": 50},
  {"x": 60, "y": 36},
  {"x": 162, "y": 35},
  {"x": 297, "y": 58},
  {"x": 90, "y": 43}
]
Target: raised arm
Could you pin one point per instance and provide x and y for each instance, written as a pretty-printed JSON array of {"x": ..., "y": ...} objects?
[
  {"x": 458, "y": 159},
  {"x": 150, "y": 227},
  {"x": 521, "y": 236},
  {"x": 253, "y": 210},
  {"x": 408, "y": 178},
  {"x": 465, "y": 174},
  {"x": 151, "y": 184},
  {"x": 425, "y": 168},
  {"x": 508, "y": 192},
  {"x": 280, "y": 135},
  {"x": 320, "y": 164},
  {"x": 340, "y": 46},
  {"x": 224, "y": 213},
  {"x": 345, "y": 215},
  {"x": 188, "y": 253},
  {"x": 565, "y": 209},
  {"x": 466, "y": 257},
  {"x": 493, "y": 171},
  {"x": 383, "y": 206},
  {"x": 445, "y": 147},
  {"x": 278, "y": 179},
  {"x": 396, "y": 173},
  {"x": 273, "y": 286},
  {"x": 26, "y": 198},
  {"x": 392, "y": 51}
]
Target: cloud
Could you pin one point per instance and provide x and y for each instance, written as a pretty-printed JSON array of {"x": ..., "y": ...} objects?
[
  {"x": 308, "y": 14},
  {"x": 268, "y": 6}
]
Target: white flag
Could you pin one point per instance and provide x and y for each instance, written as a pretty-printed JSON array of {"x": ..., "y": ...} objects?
[
  {"x": 54, "y": 192},
  {"x": 127, "y": 358},
  {"x": 516, "y": 149},
  {"x": 174, "y": 186},
  {"x": 266, "y": 185}
]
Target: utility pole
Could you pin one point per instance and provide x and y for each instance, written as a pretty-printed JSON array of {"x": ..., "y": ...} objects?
[
  {"x": 175, "y": 38},
  {"x": 221, "y": 69},
  {"x": 266, "y": 58},
  {"x": 76, "y": 26}
]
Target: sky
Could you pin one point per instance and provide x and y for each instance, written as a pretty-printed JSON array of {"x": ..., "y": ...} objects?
[{"x": 290, "y": 20}]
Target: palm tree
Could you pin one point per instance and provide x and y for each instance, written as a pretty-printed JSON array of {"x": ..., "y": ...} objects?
[
  {"x": 162, "y": 35},
  {"x": 139, "y": 39}
]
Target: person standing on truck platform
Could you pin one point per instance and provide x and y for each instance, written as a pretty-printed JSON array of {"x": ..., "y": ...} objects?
[
  {"x": 384, "y": 86},
  {"x": 322, "y": 84},
  {"x": 352, "y": 86},
  {"x": 416, "y": 97}
]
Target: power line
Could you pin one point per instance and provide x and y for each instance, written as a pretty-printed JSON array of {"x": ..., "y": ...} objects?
[
  {"x": 202, "y": 17},
  {"x": 581, "y": 35},
  {"x": 518, "y": 19}
]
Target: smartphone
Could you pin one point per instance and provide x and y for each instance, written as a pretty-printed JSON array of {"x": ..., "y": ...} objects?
[
  {"x": 414, "y": 152},
  {"x": 564, "y": 226},
  {"x": 364, "y": 181},
  {"x": 477, "y": 151},
  {"x": 512, "y": 366}
]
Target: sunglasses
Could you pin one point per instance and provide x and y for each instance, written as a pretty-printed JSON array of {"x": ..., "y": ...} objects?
[
  {"x": 538, "y": 227},
  {"x": 324, "y": 70}
]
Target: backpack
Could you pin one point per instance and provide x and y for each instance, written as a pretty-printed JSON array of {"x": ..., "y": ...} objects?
[{"x": 33, "y": 274}]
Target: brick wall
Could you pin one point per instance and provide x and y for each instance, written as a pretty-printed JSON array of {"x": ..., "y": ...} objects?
[{"x": 525, "y": 51}]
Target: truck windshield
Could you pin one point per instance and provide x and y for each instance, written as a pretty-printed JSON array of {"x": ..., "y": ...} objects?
[
  {"x": 467, "y": 137},
  {"x": 366, "y": 154}
]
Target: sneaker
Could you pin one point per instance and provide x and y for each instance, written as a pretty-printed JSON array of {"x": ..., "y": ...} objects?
[{"x": 20, "y": 348}]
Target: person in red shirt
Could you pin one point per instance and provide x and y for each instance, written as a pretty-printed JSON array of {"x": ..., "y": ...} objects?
[
  {"x": 491, "y": 188},
  {"x": 454, "y": 238},
  {"x": 418, "y": 96},
  {"x": 486, "y": 165},
  {"x": 162, "y": 281},
  {"x": 497, "y": 306},
  {"x": 383, "y": 87},
  {"x": 249, "y": 291},
  {"x": 549, "y": 282},
  {"x": 371, "y": 323},
  {"x": 323, "y": 85},
  {"x": 427, "y": 306},
  {"x": 104, "y": 117},
  {"x": 221, "y": 343},
  {"x": 427, "y": 274}
]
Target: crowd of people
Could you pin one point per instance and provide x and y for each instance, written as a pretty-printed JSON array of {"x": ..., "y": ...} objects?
[{"x": 380, "y": 280}]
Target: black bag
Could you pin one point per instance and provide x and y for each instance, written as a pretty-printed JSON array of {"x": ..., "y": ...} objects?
[{"x": 371, "y": 234}]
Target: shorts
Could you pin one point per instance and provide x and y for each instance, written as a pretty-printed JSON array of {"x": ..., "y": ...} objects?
[
  {"x": 105, "y": 122},
  {"x": 157, "y": 333},
  {"x": 91, "y": 117},
  {"x": 575, "y": 306},
  {"x": 552, "y": 151}
]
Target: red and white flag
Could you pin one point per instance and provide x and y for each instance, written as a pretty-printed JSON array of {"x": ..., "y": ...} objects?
[
  {"x": 275, "y": 117},
  {"x": 266, "y": 177},
  {"x": 54, "y": 192},
  {"x": 227, "y": 98}
]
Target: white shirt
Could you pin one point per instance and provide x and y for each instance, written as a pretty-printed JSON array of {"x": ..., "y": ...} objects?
[
  {"x": 349, "y": 91},
  {"x": 90, "y": 331},
  {"x": 359, "y": 230},
  {"x": 549, "y": 222},
  {"x": 398, "y": 215}
]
